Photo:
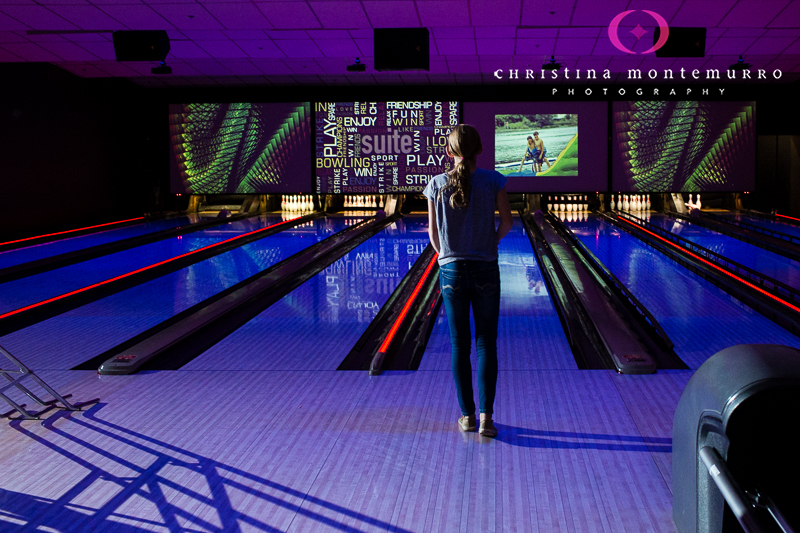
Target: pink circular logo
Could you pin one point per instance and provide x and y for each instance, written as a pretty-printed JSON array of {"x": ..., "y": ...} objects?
[{"x": 613, "y": 28}]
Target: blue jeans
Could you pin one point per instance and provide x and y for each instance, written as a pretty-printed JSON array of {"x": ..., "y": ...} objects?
[{"x": 477, "y": 283}]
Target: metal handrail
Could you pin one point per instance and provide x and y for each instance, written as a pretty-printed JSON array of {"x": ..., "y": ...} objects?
[
  {"x": 766, "y": 283},
  {"x": 612, "y": 279},
  {"x": 753, "y": 227}
]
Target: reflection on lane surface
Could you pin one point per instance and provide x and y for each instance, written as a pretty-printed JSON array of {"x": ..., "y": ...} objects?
[
  {"x": 81, "y": 242},
  {"x": 74, "y": 337},
  {"x": 315, "y": 326},
  {"x": 700, "y": 318},
  {"x": 760, "y": 260},
  {"x": 33, "y": 289}
]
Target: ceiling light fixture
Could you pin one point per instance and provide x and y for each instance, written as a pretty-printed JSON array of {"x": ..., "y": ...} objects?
[{"x": 358, "y": 66}]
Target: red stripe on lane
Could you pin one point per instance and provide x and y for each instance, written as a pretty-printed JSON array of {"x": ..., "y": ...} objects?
[
  {"x": 784, "y": 216},
  {"x": 709, "y": 263},
  {"x": 71, "y": 231},
  {"x": 388, "y": 340},
  {"x": 122, "y": 276}
]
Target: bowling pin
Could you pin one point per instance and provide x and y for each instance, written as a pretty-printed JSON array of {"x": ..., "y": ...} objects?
[
  {"x": 648, "y": 202},
  {"x": 699, "y": 205},
  {"x": 380, "y": 201},
  {"x": 690, "y": 203},
  {"x": 625, "y": 203},
  {"x": 612, "y": 206}
]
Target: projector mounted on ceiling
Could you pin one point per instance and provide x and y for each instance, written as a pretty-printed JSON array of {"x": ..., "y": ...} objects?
[
  {"x": 161, "y": 69},
  {"x": 358, "y": 66},
  {"x": 740, "y": 65},
  {"x": 551, "y": 65}
]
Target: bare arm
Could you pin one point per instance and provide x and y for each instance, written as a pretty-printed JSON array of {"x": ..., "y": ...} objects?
[
  {"x": 433, "y": 229},
  {"x": 504, "y": 208}
]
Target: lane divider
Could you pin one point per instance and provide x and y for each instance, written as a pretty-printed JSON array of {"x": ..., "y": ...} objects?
[
  {"x": 709, "y": 263},
  {"x": 784, "y": 216},
  {"x": 390, "y": 336},
  {"x": 143, "y": 269},
  {"x": 70, "y": 231}
]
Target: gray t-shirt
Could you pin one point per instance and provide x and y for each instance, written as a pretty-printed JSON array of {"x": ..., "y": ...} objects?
[{"x": 468, "y": 232}]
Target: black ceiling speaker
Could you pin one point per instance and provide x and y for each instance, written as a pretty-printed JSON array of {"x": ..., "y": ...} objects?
[
  {"x": 682, "y": 42},
  {"x": 402, "y": 49},
  {"x": 140, "y": 45}
]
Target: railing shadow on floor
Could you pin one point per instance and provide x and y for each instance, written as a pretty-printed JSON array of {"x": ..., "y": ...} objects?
[
  {"x": 531, "y": 438},
  {"x": 148, "y": 485}
]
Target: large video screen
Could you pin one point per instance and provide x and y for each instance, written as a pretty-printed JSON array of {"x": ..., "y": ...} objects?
[
  {"x": 381, "y": 147},
  {"x": 683, "y": 146},
  {"x": 241, "y": 148},
  {"x": 536, "y": 144}
]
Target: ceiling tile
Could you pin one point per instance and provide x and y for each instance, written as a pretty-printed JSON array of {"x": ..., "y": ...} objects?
[
  {"x": 363, "y": 33},
  {"x": 8, "y": 57},
  {"x": 9, "y": 24},
  {"x": 457, "y": 66},
  {"x": 442, "y": 79},
  {"x": 328, "y": 34},
  {"x": 289, "y": 15},
  {"x": 793, "y": 49},
  {"x": 242, "y": 67},
  {"x": 574, "y": 47},
  {"x": 338, "y": 48},
  {"x": 594, "y": 13},
  {"x": 37, "y": 17},
  {"x": 299, "y": 48},
  {"x": 30, "y": 52},
  {"x": 456, "y": 47},
  {"x": 496, "y": 32},
  {"x": 536, "y": 47},
  {"x": 546, "y": 12},
  {"x": 87, "y": 37},
  {"x": 433, "y": 12},
  {"x": 87, "y": 17},
  {"x": 307, "y": 80},
  {"x": 753, "y": 13},
  {"x": 306, "y": 68},
  {"x": 205, "y": 35},
  {"x": 103, "y": 50},
  {"x": 788, "y": 17},
  {"x": 210, "y": 67},
  {"x": 743, "y": 32},
  {"x": 246, "y": 35},
  {"x": 271, "y": 67},
  {"x": 730, "y": 46},
  {"x": 186, "y": 50},
  {"x": 537, "y": 33},
  {"x": 578, "y": 33},
  {"x": 770, "y": 45},
  {"x": 12, "y": 37},
  {"x": 394, "y": 14},
  {"x": 69, "y": 51},
  {"x": 701, "y": 13},
  {"x": 366, "y": 46},
  {"x": 137, "y": 17},
  {"x": 115, "y": 68},
  {"x": 263, "y": 48},
  {"x": 221, "y": 49},
  {"x": 666, "y": 8},
  {"x": 496, "y": 62},
  {"x": 783, "y": 33},
  {"x": 277, "y": 35},
  {"x": 495, "y": 46},
  {"x": 495, "y": 13},
  {"x": 187, "y": 16},
  {"x": 340, "y": 14},
  {"x": 239, "y": 16},
  {"x": 447, "y": 32}
]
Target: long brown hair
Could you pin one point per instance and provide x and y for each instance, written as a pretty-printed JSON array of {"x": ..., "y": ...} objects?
[{"x": 465, "y": 142}]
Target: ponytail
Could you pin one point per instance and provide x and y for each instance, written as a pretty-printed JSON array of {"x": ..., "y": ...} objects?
[{"x": 464, "y": 142}]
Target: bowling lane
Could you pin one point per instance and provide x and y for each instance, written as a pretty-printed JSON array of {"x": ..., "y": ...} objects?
[
  {"x": 315, "y": 326},
  {"x": 700, "y": 318},
  {"x": 530, "y": 336},
  {"x": 76, "y": 336},
  {"x": 32, "y": 289},
  {"x": 81, "y": 242},
  {"x": 760, "y": 260},
  {"x": 789, "y": 229}
]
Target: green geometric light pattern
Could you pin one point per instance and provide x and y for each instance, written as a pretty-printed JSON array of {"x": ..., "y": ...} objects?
[
  {"x": 226, "y": 148},
  {"x": 682, "y": 146}
]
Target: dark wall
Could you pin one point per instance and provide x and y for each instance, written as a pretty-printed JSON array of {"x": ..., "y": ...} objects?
[{"x": 74, "y": 151}]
